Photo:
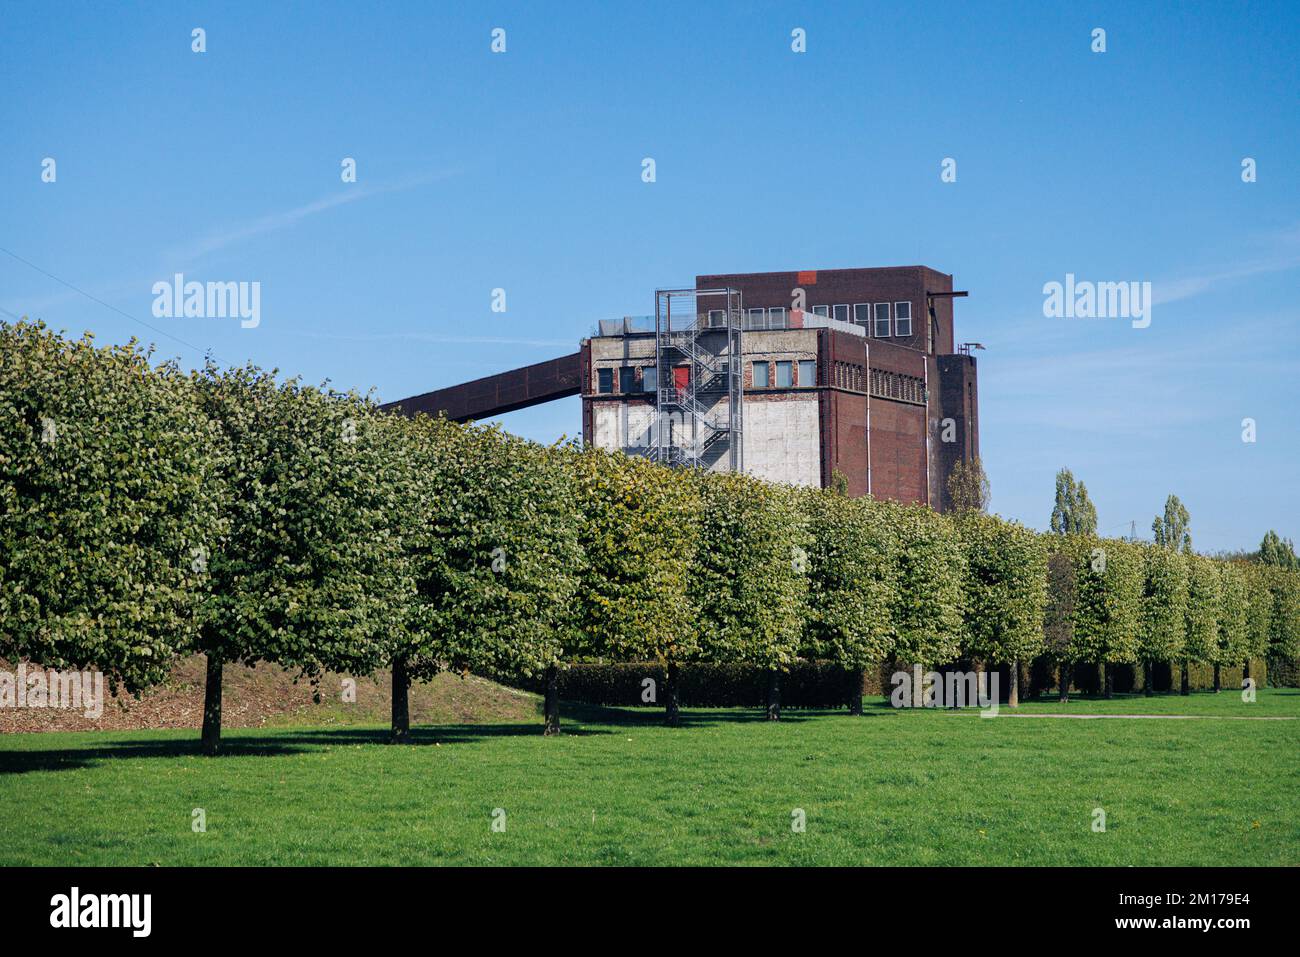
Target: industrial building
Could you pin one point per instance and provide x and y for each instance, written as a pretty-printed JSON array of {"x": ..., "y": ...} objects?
[{"x": 787, "y": 376}]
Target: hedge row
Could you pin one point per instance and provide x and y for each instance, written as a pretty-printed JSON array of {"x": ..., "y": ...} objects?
[{"x": 150, "y": 513}]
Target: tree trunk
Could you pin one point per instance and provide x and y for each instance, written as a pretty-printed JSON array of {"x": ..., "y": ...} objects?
[
  {"x": 1245, "y": 671},
  {"x": 856, "y": 676},
  {"x": 1109, "y": 679},
  {"x": 552, "y": 700},
  {"x": 212, "y": 706},
  {"x": 1065, "y": 682},
  {"x": 401, "y": 731},
  {"x": 1218, "y": 679},
  {"x": 1013, "y": 685},
  {"x": 1148, "y": 678},
  {"x": 672, "y": 706},
  {"x": 1186, "y": 687},
  {"x": 774, "y": 695}
]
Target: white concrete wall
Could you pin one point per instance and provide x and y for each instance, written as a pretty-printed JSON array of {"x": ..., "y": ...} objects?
[{"x": 781, "y": 440}]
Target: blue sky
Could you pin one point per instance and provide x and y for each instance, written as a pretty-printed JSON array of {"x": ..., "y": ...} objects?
[{"x": 522, "y": 170}]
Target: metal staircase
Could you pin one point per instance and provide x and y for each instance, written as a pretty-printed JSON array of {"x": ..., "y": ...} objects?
[{"x": 699, "y": 398}]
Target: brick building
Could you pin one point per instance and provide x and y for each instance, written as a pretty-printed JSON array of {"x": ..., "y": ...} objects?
[{"x": 788, "y": 376}]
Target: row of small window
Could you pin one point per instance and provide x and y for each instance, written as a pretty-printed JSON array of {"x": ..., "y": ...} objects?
[
  {"x": 874, "y": 317},
  {"x": 630, "y": 381},
  {"x": 785, "y": 374}
]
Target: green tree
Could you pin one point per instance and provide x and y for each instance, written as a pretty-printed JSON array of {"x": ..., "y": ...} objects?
[
  {"x": 968, "y": 487},
  {"x": 1005, "y": 593},
  {"x": 1064, "y": 554},
  {"x": 1204, "y": 590},
  {"x": 1234, "y": 634},
  {"x": 639, "y": 533},
  {"x": 1284, "y": 624},
  {"x": 1277, "y": 551},
  {"x": 1107, "y": 613},
  {"x": 852, "y": 585},
  {"x": 107, "y": 504},
  {"x": 1171, "y": 530},
  {"x": 490, "y": 536},
  {"x": 1259, "y": 614},
  {"x": 749, "y": 581},
  {"x": 1164, "y": 609},
  {"x": 1073, "y": 513},
  {"x": 308, "y": 566},
  {"x": 927, "y": 615}
]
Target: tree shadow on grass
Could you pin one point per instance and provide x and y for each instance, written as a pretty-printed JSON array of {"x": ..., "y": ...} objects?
[
  {"x": 577, "y": 720},
  {"x": 71, "y": 759}
]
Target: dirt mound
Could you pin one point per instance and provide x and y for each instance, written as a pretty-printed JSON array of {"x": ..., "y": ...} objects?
[{"x": 267, "y": 695}]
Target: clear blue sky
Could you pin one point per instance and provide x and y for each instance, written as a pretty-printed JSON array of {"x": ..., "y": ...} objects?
[{"x": 522, "y": 171}]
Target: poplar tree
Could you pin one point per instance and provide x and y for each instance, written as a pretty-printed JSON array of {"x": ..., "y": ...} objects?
[
  {"x": 1073, "y": 512},
  {"x": 1171, "y": 529}
]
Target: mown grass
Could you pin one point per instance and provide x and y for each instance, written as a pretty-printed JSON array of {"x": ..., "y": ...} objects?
[{"x": 916, "y": 787}]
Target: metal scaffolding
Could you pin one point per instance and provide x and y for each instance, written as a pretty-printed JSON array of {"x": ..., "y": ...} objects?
[{"x": 699, "y": 399}]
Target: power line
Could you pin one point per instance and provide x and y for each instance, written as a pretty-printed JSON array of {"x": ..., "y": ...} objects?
[{"x": 126, "y": 315}]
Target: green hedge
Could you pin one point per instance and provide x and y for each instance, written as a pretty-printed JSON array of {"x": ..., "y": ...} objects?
[
  {"x": 1168, "y": 676},
  {"x": 806, "y": 685}
]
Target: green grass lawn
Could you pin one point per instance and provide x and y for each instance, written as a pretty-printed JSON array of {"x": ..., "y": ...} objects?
[{"x": 917, "y": 787}]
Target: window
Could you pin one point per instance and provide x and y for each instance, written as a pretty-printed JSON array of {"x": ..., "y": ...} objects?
[
  {"x": 882, "y": 320},
  {"x": 717, "y": 318},
  {"x": 902, "y": 318},
  {"x": 776, "y": 317},
  {"x": 784, "y": 375},
  {"x": 757, "y": 319},
  {"x": 649, "y": 378},
  {"x": 822, "y": 311},
  {"x": 604, "y": 380},
  {"x": 841, "y": 313},
  {"x": 807, "y": 372},
  {"x": 626, "y": 379},
  {"x": 761, "y": 375},
  {"x": 862, "y": 315}
]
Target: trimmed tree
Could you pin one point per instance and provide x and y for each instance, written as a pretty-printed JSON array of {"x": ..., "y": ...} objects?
[
  {"x": 489, "y": 527},
  {"x": 639, "y": 533},
  {"x": 1284, "y": 624},
  {"x": 108, "y": 500},
  {"x": 1259, "y": 614},
  {"x": 1107, "y": 613},
  {"x": 1234, "y": 636},
  {"x": 1005, "y": 593},
  {"x": 749, "y": 580},
  {"x": 852, "y": 585},
  {"x": 307, "y": 571},
  {"x": 1164, "y": 609},
  {"x": 1064, "y": 553},
  {"x": 1202, "y": 619},
  {"x": 927, "y": 610}
]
